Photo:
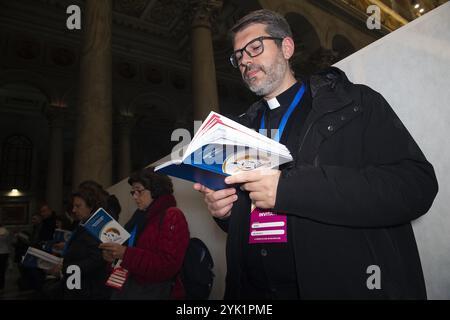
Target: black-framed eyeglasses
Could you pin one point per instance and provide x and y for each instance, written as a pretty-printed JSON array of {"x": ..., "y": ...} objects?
[
  {"x": 253, "y": 48},
  {"x": 138, "y": 191}
]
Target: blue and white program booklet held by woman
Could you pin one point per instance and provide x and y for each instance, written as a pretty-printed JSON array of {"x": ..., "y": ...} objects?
[
  {"x": 223, "y": 147},
  {"x": 105, "y": 228}
]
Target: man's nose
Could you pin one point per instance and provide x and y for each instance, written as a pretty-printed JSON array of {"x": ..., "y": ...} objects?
[{"x": 246, "y": 59}]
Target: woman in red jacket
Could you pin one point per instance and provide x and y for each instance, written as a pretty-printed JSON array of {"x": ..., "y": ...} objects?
[{"x": 158, "y": 242}]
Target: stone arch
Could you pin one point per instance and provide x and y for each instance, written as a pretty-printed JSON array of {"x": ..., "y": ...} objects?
[
  {"x": 305, "y": 35},
  {"x": 349, "y": 36},
  {"x": 17, "y": 95},
  {"x": 151, "y": 100},
  {"x": 32, "y": 79},
  {"x": 342, "y": 46},
  {"x": 305, "y": 10}
]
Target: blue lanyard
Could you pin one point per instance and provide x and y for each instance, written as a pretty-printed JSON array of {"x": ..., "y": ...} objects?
[
  {"x": 132, "y": 237},
  {"x": 286, "y": 116}
]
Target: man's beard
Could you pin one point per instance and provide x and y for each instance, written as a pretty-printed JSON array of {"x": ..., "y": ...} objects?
[{"x": 274, "y": 76}]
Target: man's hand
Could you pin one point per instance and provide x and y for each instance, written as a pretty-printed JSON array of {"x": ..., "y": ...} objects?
[
  {"x": 113, "y": 251},
  {"x": 261, "y": 184},
  {"x": 219, "y": 202}
]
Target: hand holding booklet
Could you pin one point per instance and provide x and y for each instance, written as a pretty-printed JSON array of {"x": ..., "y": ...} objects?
[
  {"x": 105, "y": 228},
  {"x": 223, "y": 147}
]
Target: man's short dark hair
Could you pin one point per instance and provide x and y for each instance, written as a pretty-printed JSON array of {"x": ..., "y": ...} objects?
[
  {"x": 158, "y": 184},
  {"x": 276, "y": 24}
]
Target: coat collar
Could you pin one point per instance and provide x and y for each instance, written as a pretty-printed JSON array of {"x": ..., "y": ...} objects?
[
  {"x": 330, "y": 91},
  {"x": 161, "y": 203}
]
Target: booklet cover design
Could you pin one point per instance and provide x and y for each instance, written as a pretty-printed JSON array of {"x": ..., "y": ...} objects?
[{"x": 102, "y": 226}]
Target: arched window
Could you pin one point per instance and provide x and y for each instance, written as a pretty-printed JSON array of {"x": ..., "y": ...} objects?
[{"x": 17, "y": 151}]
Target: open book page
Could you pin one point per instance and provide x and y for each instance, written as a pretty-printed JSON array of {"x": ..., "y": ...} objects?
[
  {"x": 35, "y": 258},
  {"x": 217, "y": 126},
  {"x": 223, "y": 147}
]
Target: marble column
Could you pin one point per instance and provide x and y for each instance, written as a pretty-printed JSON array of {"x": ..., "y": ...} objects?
[
  {"x": 124, "y": 124},
  {"x": 54, "y": 187},
  {"x": 204, "y": 84},
  {"x": 93, "y": 145}
]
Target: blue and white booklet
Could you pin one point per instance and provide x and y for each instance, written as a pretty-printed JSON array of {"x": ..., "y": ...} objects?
[
  {"x": 102, "y": 226},
  {"x": 61, "y": 235},
  {"x": 223, "y": 147},
  {"x": 35, "y": 258}
]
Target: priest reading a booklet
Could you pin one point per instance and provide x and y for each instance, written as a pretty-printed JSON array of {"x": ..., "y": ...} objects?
[{"x": 313, "y": 227}]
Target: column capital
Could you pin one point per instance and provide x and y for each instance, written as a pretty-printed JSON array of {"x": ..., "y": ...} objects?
[
  {"x": 125, "y": 120},
  {"x": 55, "y": 115},
  {"x": 203, "y": 12}
]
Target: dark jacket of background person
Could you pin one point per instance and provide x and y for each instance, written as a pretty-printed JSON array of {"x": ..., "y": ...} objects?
[
  {"x": 161, "y": 244},
  {"x": 47, "y": 229},
  {"x": 113, "y": 206},
  {"x": 82, "y": 251},
  {"x": 357, "y": 181}
]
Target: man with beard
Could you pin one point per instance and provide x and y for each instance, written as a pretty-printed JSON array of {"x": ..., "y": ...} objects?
[{"x": 346, "y": 202}]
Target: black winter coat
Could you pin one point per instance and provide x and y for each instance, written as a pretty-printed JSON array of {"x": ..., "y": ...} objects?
[
  {"x": 83, "y": 252},
  {"x": 357, "y": 181}
]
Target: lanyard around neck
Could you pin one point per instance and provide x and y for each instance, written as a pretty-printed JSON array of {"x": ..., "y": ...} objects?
[
  {"x": 286, "y": 116},
  {"x": 132, "y": 237}
]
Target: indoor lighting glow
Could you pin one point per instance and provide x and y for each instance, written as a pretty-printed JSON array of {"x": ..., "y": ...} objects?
[{"x": 14, "y": 193}]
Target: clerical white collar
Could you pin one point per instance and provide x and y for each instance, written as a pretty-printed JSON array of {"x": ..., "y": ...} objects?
[{"x": 273, "y": 103}]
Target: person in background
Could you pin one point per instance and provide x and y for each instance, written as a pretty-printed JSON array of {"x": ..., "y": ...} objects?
[
  {"x": 48, "y": 224},
  {"x": 112, "y": 204},
  {"x": 29, "y": 278},
  {"x": 5, "y": 249},
  {"x": 82, "y": 251},
  {"x": 60, "y": 237},
  {"x": 36, "y": 225},
  {"x": 161, "y": 236}
]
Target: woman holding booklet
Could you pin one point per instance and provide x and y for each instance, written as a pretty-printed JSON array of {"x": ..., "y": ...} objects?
[
  {"x": 149, "y": 266},
  {"x": 82, "y": 251}
]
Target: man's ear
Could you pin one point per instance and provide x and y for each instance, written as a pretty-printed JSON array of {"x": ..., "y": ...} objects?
[{"x": 288, "y": 47}]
